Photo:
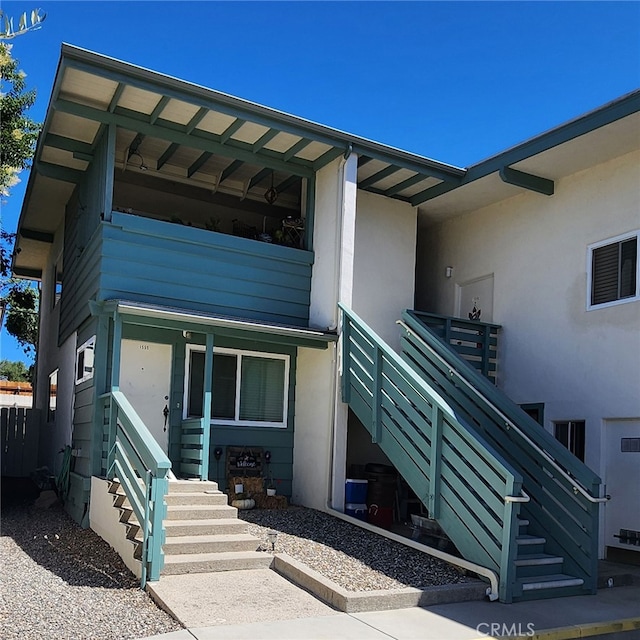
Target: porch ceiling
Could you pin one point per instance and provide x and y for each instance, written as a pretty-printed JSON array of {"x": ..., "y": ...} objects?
[{"x": 183, "y": 132}]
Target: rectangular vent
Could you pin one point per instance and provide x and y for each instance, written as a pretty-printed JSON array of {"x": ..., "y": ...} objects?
[{"x": 630, "y": 445}]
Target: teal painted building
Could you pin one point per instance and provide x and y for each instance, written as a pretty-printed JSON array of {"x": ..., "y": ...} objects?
[{"x": 194, "y": 251}]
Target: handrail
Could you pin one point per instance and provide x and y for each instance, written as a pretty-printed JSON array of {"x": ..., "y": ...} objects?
[
  {"x": 509, "y": 423},
  {"x": 523, "y": 497},
  {"x": 392, "y": 380},
  {"x": 142, "y": 468},
  {"x": 151, "y": 452}
]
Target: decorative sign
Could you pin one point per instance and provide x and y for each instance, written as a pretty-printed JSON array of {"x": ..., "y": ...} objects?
[{"x": 244, "y": 461}]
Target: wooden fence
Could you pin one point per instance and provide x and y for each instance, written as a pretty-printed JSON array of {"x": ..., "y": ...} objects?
[{"x": 20, "y": 430}]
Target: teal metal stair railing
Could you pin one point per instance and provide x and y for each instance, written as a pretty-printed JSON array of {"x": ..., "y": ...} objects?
[
  {"x": 466, "y": 485},
  {"x": 474, "y": 341},
  {"x": 564, "y": 505},
  {"x": 142, "y": 469}
]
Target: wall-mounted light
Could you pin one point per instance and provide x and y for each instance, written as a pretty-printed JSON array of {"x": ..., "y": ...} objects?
[{"x": 448, "y": 272}]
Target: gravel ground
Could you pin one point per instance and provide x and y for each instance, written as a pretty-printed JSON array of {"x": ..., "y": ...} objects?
[
  {"x": 58, "y": 581},
  {"x": 356, "y": 559}
]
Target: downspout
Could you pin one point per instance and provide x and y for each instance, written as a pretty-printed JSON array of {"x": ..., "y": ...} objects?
[
  {"x": 492, "y": 591},
  {"x": 336, "y": 317}
]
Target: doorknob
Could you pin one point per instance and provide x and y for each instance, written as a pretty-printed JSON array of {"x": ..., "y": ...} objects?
[{"x": 165, "y": 413}]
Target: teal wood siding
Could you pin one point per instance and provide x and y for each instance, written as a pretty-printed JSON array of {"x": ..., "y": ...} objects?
[
  {"x": 85, "y": 437},
  {"x": 82, "y": 244},
  {"x": 83, "y": 410},
  {"x": 156, "y": 262},
  {"x": 80, "y": 283}
]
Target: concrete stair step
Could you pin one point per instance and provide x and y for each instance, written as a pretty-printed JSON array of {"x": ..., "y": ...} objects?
[
  {"x": 530, "y": 545},
  {"x": 222, "y": 526},
  {"x": 180, "y": 545},
  {"x": 553, "y": 581},
  {"x": 183, "y": 498},
  {"x": 200, "y": 512},
  {"x": 209, "y": 562},
  {"x": 538, "y": 564},
  {"x": 538, "y": 559},
  {"x": 525, "y": 540},
  {"x": 191, "y": 486}
]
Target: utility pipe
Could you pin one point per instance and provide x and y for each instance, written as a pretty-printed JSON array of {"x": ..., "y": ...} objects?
[{"x": 492, "y": 591}]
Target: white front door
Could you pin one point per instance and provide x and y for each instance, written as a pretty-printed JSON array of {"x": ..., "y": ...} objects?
[
  {"x": 622, "y": 475},
  {"x": 145, "y": 380}
]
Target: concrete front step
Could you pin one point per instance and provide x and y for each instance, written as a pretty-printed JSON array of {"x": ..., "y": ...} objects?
[
  {"x": 200, "y": 512},
  {"x": 208, "y": 562},
  {"x": 184, "y": 498},
  {"x": 209, "y": 544},
  {"x": 222, "y": 526},
  {"x": 191, "y": 486}
]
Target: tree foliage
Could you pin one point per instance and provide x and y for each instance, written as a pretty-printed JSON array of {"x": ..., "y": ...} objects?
[
  {"x": 15, "y": 371},
  {"x": 8, "y": 31},
  {"x": 18, "y": 136},
  {"x": 18, "y": 132}
]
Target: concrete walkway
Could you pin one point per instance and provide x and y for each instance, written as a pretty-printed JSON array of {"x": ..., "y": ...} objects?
[{"x": 293, "y": 617}]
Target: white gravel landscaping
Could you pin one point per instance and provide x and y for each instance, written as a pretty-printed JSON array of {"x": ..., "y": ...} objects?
[
  {"x": 354, "y": 558},
  {"x": 59, "y": 582}
]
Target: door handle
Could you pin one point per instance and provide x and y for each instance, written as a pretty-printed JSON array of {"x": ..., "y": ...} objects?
[{"x": 165, "y": 413}]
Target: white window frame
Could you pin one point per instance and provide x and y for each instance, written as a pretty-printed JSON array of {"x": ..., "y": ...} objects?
[
  {"x": 602, "y": 243},
  {"x": 239, "y": 353},
  {"x": 86, "y": 375},
  {"x": 52, "y": 412}
]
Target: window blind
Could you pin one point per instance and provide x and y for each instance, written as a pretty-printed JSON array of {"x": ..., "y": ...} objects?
[{"x": 261, "y": 389}]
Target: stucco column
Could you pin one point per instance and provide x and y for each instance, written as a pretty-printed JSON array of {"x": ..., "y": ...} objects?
[{"x": 349, "y": 188}]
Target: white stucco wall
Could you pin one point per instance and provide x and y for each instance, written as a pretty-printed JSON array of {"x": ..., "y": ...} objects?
[
  {"x": 326, "y": 247},
  {"x": 315, "y": 384},
  {"x": 53, "y": 436},
  {"x": 104, "y": 519},
  {"x": 364, "y": 248},
  {"x": 384, "y": 269},
  {"x": 581, "y": 364}
]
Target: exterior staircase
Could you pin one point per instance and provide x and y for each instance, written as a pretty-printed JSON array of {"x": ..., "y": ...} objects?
[
  {"x": 538, "y": 573},
  {"x": 509, "y": 496},
  {"x": 202, "y": 532}
]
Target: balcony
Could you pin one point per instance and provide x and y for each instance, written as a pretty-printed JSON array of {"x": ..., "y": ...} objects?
[{"x": 145, "y": 260}]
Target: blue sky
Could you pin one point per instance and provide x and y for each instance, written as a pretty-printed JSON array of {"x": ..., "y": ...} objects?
[{"x": 453, "y": 81}]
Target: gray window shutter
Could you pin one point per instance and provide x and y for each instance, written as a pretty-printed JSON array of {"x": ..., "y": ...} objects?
[{"x": 604, "y": 274}]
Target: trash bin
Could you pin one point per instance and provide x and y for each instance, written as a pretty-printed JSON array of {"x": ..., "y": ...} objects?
[{"x": 381, "y": 493}]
